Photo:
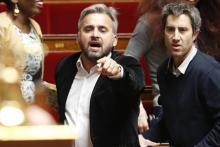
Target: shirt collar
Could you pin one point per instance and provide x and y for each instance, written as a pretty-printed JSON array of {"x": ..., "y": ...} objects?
[
  {"x": 181, "y": 69},
  {"x": 79, "y": 64},
  {"x": 80, "y": 67},
  {"x": 81, "y": 70}
]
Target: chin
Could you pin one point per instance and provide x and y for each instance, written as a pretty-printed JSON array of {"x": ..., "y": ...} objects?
[
  {"x": 94, "y": 56},
  {"x": 175, "y": 52},
  {"x": 36, "y": 11}
]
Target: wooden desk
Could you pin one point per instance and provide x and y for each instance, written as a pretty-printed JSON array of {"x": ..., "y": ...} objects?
[{"x": 37, "y": 136}]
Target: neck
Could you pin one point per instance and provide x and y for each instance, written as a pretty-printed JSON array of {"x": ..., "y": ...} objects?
[
  {"x": 179, "y": 60},
  {"x": 21, "y": 21},
  {"x": 87, "y": 63}
]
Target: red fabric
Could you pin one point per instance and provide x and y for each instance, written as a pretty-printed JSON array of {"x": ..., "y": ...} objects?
[
  {"x": 146, "y": 72},
  {"x": 148, "y": 106},
  {"x": 50, "y": 62},
  {"x": 2, "y": 7},
  {"x": 61, "y": 18}
]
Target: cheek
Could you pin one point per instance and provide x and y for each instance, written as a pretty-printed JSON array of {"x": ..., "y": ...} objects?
[
  {"x": 189, "y": 40},
  {"x": 83, "y": 41},
  {"x": 84, "y": 38},
  {"x": 108, "y": 39},
  {"x": 167, "y": 39}
]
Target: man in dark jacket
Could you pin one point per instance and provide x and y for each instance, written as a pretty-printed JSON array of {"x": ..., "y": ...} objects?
[
  {"x": 98, "y": 89},
  {"x": 189, "y": 83}
]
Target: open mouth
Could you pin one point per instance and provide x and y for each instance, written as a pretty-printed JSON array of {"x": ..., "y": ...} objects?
[{"x": 95, "y": 44}]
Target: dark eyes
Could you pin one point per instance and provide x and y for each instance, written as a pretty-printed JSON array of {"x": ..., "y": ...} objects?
[
  {"x": 172, "y": 29},
  {"x": 182, "y": 29}
]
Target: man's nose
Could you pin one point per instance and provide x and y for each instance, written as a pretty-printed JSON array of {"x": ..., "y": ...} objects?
[
  {"x": 96, "y": 33},
  {"x": 176, "y": 36}
]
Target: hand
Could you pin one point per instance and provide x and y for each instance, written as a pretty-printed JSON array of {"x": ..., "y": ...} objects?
[
  {"x": 145, "y": 142},
  {"x": 49, "y": 85},
  {"x": 142, "y": 120},
  {"x": 109, "y": 67}
]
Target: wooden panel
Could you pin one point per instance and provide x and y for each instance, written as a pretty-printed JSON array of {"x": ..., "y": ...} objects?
[
  {"x": 67, "y": 42},
  {"x": 147, "y": 99},
  {"x": 147, "y": 94}
]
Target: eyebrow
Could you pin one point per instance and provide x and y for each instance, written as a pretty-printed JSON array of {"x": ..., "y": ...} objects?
[{"x": 170, "y": 26}]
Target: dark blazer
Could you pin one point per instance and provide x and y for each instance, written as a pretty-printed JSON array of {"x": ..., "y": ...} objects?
[{"x": 114, "y": 104}]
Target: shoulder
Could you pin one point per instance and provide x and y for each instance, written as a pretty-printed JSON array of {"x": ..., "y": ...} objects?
[
  {"x": 123, "y": 59},
  {"x": 36, "y": 26},
  {"x": 5, "y": 20},
  {"x": 144, "y": 20},
  {"x": 69, "y": 58},
  {"x": 67, "y": 61},
  {"x": 164, "y": 66},
  {"x": 207, "y": 70},
  {"x": 205, "y": 62},
  {"x": 204, "y": 67},
  {"x": 66, "y": 67},
  {"x": 142, "y": 25}
]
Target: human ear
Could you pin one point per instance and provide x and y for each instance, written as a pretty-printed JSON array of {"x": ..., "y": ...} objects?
[
  {"x": 115, "y": 40},
  {"x": 195, "y": 35}
]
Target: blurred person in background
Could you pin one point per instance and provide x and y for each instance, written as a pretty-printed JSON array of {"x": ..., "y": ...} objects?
[{"x": 20, "y": 37}]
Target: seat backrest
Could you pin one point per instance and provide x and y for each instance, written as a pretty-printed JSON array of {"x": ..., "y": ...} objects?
[{"x": 50, "y": 62}]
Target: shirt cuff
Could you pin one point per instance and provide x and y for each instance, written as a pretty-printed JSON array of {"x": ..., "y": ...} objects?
[{"x": 119, "y": 75}]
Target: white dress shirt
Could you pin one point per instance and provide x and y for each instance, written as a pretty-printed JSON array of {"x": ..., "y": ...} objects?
[{"x": 78, "y": 103}]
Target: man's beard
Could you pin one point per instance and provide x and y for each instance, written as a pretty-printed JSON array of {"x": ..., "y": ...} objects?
[{"x": 97, "y": 55}]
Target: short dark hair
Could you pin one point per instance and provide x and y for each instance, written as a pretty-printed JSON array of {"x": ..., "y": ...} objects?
[{"x": 180, "y": 8}]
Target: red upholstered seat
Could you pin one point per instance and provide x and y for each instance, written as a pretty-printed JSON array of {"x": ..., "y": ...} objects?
[
  {"x": 50, "y": 62},
  {"x": 61, "y": 18}
]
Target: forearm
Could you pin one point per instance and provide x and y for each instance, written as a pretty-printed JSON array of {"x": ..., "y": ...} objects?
[{"x": 212, "y": 138}]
